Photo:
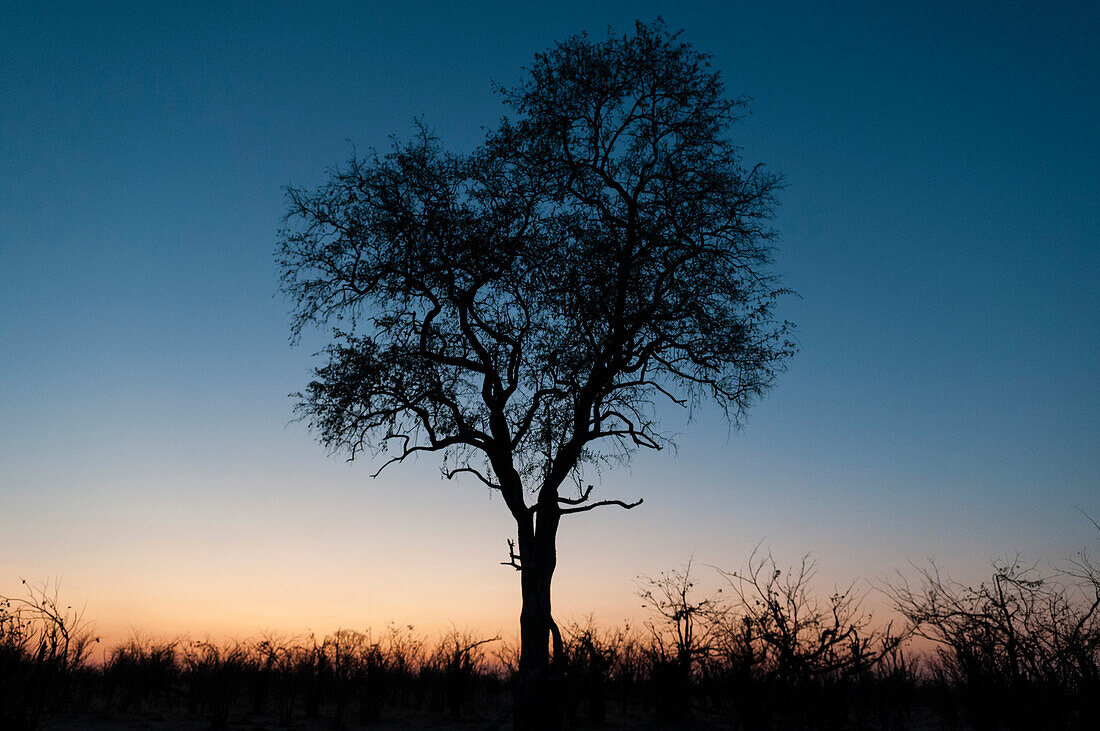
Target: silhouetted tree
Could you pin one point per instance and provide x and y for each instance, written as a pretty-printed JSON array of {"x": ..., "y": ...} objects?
[
  {"x": 682, "y": 631},
  {"x": 1022, "y": 649},
  {"x": 789, "y": 651},
  {"x": 521, "y": 308}
]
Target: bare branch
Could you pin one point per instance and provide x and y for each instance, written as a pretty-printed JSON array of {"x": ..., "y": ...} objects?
[
  {"x": 578, "y": 500},
  {"x": 450, "y": 474},
  {"x": 600, "y": 504},
  {"x": 513, "y": 557}
]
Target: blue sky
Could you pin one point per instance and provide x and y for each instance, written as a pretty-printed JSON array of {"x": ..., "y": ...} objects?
[{"x": 940, "y": 221}]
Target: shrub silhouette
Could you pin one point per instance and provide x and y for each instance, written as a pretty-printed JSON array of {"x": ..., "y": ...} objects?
[
  {"x": 1021, "y": 650},
  {"x": 142, "y": 673},
  {"x": 682, "y": 634},
  {"x": 766, "y": 649},
  {"x": 593, "y": 661},
  {"x": 454, "y": 665},
  {"x": 44, "y": 646}
]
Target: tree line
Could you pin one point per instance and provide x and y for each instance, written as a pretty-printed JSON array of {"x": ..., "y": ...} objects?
[{"x": 1020, "y": 650}]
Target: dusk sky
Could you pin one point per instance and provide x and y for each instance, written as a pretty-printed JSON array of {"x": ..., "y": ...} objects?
[{"x": 940, "y": 222}]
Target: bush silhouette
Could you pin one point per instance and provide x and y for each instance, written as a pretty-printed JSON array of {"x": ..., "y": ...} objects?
[
  {"x": 1020, "y": 650},
  {"x": 44, "y": 646}
]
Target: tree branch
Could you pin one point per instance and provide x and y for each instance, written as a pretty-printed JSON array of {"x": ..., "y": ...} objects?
[
  {"x": 450, "y": 474},
  {"x": 513, "y": 557},
  {"x": 600, "y": 504},
  {"x": 576, "y": 501}
]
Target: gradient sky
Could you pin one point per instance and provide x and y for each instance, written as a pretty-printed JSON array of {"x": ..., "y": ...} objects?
[{"x": 940, "y": 221}]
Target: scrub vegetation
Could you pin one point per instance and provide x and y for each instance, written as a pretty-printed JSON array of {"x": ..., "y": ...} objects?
[{"x": 765, "y": 650}]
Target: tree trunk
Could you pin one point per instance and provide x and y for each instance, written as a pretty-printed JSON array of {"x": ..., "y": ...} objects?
[{"x": 538, "y": 685}]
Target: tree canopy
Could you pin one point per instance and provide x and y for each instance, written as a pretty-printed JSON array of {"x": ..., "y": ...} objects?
[{"x": 525, "y": 304}]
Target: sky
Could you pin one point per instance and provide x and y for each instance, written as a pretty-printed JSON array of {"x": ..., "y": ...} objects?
[{"x": 940, "y": 222}]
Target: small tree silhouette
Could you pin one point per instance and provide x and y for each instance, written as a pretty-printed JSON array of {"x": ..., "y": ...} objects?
[
  {"x": 796, "y": 633},
  {"x": 682, "y": 634},
  {"x": 792, "y": 648}
]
